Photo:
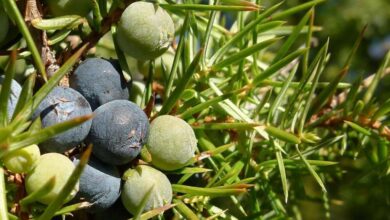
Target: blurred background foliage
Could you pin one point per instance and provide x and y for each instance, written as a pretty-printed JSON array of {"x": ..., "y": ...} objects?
[
  {"x": 341, "y": 21},
  {"x": 362, "y": 191},
  {"x": 361, "y": 188}
]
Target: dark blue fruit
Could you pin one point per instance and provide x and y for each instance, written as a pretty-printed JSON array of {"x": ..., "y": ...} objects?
[
  {"x": 119, "y": 130},
  {"x": 100, "y": 185},
  {"x": 14, "y": 96},
  {"x": 115, "y": 212},
  {"x": 99, "y": 81},
  {"x": 60, "y": 105}
]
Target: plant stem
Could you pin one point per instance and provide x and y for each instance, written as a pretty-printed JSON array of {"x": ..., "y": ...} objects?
[
  {"x": 14, "y": 13},
  {"x": 3, "y": 200}
]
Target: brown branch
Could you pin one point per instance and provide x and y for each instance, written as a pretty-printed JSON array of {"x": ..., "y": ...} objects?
[
  {"x": 383, "y": 131},
  {"x": 365, "y": 84},
  {"x": 33, "y": 10},
  {"x": 8, "y": 52},
  {"x": 338, "y": 118},
  {"x": 363, "y": 120},
  {"x": 93, "y": 38}
]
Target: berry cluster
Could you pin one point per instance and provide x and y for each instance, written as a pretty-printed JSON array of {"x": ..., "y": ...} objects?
[{"x": 118, "y": 130}]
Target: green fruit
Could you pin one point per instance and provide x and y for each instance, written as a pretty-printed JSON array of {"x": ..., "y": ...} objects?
[
  {"x": 145, "y": 31},
  {"x": 171, "y": 142},
  {"x": 4, "y": 25},
  {"x": 23, "y": 160},
  {"x": 165, "y": 61},
  {"x": 137, "y": 184},
  {"x": 51, "y": 165},
  {"x": 137, "y": 92},
  {"x": 69, "y": 7}
]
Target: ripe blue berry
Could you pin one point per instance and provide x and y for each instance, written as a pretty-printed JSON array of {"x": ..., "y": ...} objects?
[
  {"x": 60, "y": 105},
  {"x": 119, "y": 130},
  {"x": 115, "y": 212},
  {"x": 99, "y": 81},
  {"x": 100, "y": 184}
]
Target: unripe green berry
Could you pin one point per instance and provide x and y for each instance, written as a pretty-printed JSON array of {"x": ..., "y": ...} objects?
[
  {"x": 164, "y": 61},
  {"x": 69, "y": 7},
  {"x": 137, "y": 184},
  {"x": 51, "y": 165},
  {"x": 22, "y": 160},
  {"x": 145, "y": 31},
  {"x": 137, "y": 92},
  {"x": 171, "y": 142}
]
